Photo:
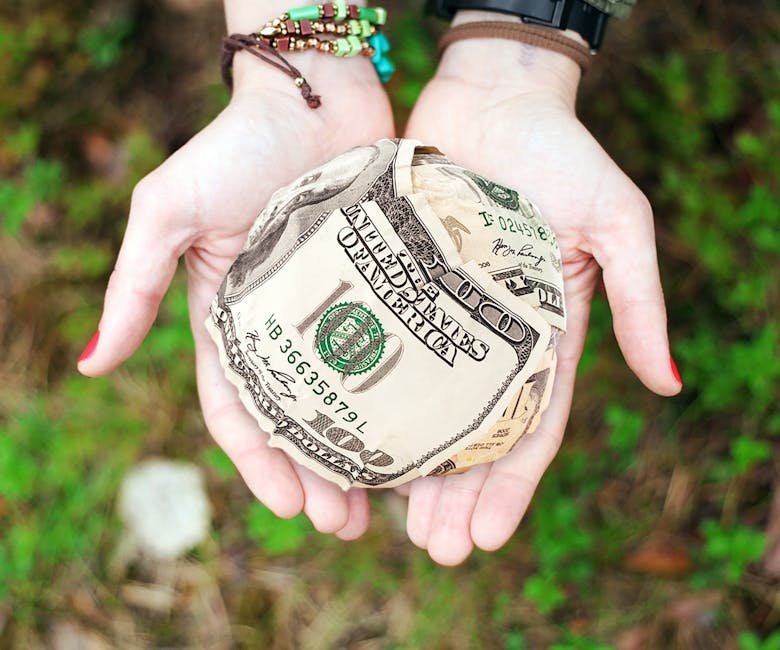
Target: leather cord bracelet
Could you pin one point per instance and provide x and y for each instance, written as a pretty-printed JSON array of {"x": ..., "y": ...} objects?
[
  {"x": 247, "y": 42},
  {"x": 544, "y": 37}
]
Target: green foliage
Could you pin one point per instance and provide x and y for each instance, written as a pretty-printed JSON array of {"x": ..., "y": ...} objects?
[
  {"x": 625, "y": 428},
  {"x": 276, "y": 536},
  {"x": 414, "y": 54},
  {"x": 515, "y": 640},
  {"x": 60, "y": 461},
  {"x": 579, "y": 642},
  {"x": 103, "y": 43},
  {"x": 747, "y": 452},
  {"x": 749, "y": 640},
  {"x": 544, "y": 593},
  {"x": 41, "y": 181},
  {"x": 219, "y": 462},
  {"x": 729, "y": 550}
]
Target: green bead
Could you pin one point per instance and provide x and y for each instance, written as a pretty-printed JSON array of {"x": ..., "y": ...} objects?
[
  {"x": 304, "y": 13},
  {"x": 342, "y": 47},
  {"x": 365, "y": 28},
  {"x": 355, "y": 28},
  {"x": 367, "y": 13},
  {"x": 354, "y": 46},
  {"x": 381, "y": 15},
  {"x": 341, "y": 10}
]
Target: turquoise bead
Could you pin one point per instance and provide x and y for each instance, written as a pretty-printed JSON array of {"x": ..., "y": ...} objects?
[
  {"x": 341, "y": 10},
  {"x": 354, "y": 46},
  {"x": 304, "y": 13},
  {"x": 380, "y": 43},
  {"x": 384, "y": 68}
]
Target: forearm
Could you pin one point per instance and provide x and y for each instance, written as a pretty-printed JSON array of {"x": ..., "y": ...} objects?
[
  {"x": 324, "y": 72},
  {"x": 501, "y": 63}
]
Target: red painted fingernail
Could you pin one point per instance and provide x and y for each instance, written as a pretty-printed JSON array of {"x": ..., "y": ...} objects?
[
  {"x": 675, "y": 372},
  {"x": 90, "y": 347}
]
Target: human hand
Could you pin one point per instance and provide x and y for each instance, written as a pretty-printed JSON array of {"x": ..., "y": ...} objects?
[
  {"x": 200, "y": 203},
  {"x": 506, "y": 110}
]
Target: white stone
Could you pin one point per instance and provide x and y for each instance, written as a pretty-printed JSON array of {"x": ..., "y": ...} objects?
[{"x": 165, "y": 508}]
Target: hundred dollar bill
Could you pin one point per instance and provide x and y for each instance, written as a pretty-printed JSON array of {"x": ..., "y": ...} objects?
[
  {"x": 500, "y": 229},
  {"x": 393, "y": 356},
  {"x": 521, "y": 417},
  {"x": 366, "y": 333}
]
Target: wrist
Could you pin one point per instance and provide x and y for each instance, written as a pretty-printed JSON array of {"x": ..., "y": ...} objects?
[
  {"x": 324, "y": 72},
  {"x": 510, "y": 65}
]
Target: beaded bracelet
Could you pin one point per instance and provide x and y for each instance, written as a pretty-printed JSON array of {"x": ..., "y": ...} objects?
[{"x": 335, "y": 28}]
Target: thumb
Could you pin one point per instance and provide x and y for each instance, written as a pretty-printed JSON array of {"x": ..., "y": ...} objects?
[
  {"x": 625, "y": 250},
  {"x": 154, "y": 240}
]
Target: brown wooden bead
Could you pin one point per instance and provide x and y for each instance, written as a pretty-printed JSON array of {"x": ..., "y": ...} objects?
[
  {"x": 283, "y": 44},
  {"x": 328, "y": 11},
  {"x": 353, "y": 12},
  {"x": 290, "y": 26},
  {"x": 306, "y": 29}
]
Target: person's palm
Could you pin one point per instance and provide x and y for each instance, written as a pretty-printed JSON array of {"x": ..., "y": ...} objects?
[
  {"x": 532, "y": 141},
  {"x": 201, "y": 203}
]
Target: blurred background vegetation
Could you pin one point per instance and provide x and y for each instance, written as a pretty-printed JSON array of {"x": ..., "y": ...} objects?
[{"x": 658, "y": 525}]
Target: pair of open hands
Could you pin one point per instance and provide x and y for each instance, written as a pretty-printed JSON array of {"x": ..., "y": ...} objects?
[{"x": 507, "y": 114}]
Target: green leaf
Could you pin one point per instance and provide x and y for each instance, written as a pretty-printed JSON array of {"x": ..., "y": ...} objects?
[
  {"x": 626, "y": 427},
  {"x": 219, "y": 461},
  {"x": 544, "y": 593},
  {"x": 276, "y": 536},
  {"x": 749, "y": 640},
  {"x": 103, "y": 43},
  {"x": 23, "y": 143},
  {"x": 15, "y": 204},
  {"x": 747, "y": 452},
  {"x": 722, "y": 89},
  {"x": 45, "y": 179},
  {"x": 731, "y": 549}
]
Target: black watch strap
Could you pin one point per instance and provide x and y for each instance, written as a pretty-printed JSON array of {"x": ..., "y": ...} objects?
[{"x": 576, "y": 15}]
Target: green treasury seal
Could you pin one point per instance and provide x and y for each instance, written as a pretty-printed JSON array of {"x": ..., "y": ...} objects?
[{"x": 350, "y": 338}]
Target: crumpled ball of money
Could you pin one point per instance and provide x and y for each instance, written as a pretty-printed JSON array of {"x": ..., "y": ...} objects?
[{"x": 393, "y": 315}]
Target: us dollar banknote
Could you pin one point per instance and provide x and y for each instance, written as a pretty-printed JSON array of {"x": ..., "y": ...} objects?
[
  {"x": 500, "y": 229},
  {"x": 520, "y": 418},
  {"x": 359, "y": 336}
]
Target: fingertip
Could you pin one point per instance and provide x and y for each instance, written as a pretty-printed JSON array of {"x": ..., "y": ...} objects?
[
  {"x": 279, "y": 488},
  {"x": 423, "y": 496},
  {"x": 83, "y": 368},
  {"x": 330, "y": 524},
  {"x": 660, "y": 376},
  {"x": 325, "y": 504},
  {"x": 417, "y": 534},
  {"x": 488, "y": 540},
  {"x": 489, "y": 533},
  {"x": 359, "y": 516},
  {"x": 642, "y": 338},
  {"x": 451, "y": 554},
  {"x": 330, "y": 521},
  {"x": 669, "y": 390},
  {"x": 678, "y": 382},
  {"x": 83, "y": 365},
  {"x": 284, "y": 505}
]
